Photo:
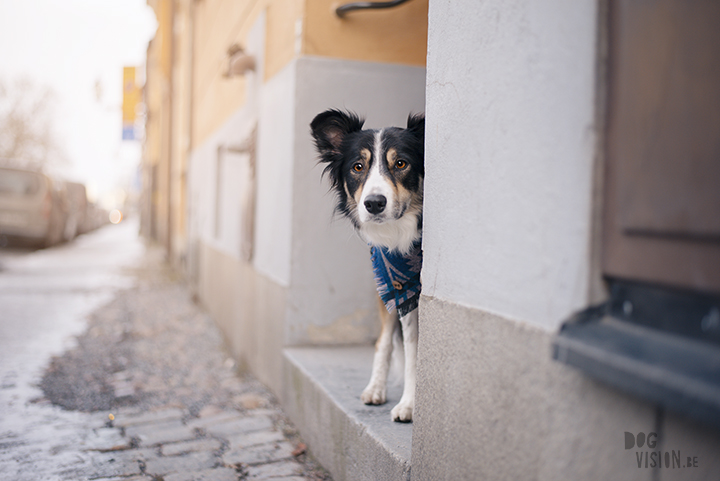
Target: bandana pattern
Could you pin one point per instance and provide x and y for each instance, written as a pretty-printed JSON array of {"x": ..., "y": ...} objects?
[{"x": 398, "y": 277}]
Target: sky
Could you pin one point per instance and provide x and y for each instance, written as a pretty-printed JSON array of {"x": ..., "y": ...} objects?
[{"x": 71, "y": 46}]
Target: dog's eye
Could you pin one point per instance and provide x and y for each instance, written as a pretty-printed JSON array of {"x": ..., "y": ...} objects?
[
  {"x": 358, "y": 167},
  {"x": 400, "y": 164}
]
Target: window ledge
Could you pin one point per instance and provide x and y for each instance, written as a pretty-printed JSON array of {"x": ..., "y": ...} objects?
[{"x": 678, "y": 373}]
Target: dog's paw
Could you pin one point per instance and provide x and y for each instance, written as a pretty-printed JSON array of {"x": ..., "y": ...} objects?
[
  {"x": 403, "y": 412},
  {"x": 373, "y": 395}
]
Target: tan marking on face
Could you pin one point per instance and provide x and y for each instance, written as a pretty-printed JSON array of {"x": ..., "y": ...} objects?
[
  {"x": 391, "y": 158},
  {"x": 403, "y": 195},
  {"x": 400, "y": 193},
  {"x": 356, "y": 197},
  {"x": 365, "y": 155}
]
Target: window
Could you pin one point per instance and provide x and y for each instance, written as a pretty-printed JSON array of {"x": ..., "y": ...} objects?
[{"x": 659, "y": 334}]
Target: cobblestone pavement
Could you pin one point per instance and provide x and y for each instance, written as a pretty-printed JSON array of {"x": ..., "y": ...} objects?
[{"x": 148, "y": 392}]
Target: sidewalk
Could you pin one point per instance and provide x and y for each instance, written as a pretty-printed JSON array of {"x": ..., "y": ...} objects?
[{"x": 154, "y": 395}]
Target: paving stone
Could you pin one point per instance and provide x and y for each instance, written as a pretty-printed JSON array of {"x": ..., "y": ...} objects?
[
  {"x": 275, "y": 470},
  {"x": 108, "y": 465},
  {"x": 207, "y": 444},
  {"x": 251, "y": 400},
  {"x": 126, "y": 420},
  {"x": 218, "y": 474},
  {"x": 263, "y": 453},
  {"x": 285, "y": 478},
  {"x": 180, "y": 464},
  {"x": 252, "y": 439},
  {"x": 210, "y": 410},
  {"x": 167, "y": 432},
  {"x": 263, "y": 412},
  {"x": 132, "y": 478},
  {"x": 222, "y": 417},
  {"x": 243, "y": 425},
  {"x": 105, "y": 439}
]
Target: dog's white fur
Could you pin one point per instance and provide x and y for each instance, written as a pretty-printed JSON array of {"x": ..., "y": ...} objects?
[
  {"x": 399, "y": 234},
  {"x": 395, "y": 234},
  {"x": 391, "y": 232}
]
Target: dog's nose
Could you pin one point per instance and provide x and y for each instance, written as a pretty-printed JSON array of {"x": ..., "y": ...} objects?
[{"x": 375, "y": 203}]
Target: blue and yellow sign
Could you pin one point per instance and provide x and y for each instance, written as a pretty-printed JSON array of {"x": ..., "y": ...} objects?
[{"x": 131, "y": 99}]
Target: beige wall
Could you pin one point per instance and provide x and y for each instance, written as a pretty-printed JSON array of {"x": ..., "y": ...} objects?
[
  {"x": 156, "y": 156},
  {"x": 250, "y": 310},
  {"x": 181, "y": 129},
  {"x": 397, "y": 35},
  {"x": 166, "y": 146},
  {"x": 218, "y": 25}
]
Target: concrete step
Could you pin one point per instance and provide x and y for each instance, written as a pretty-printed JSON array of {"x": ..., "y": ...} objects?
[{"x": 351, "y": 440}]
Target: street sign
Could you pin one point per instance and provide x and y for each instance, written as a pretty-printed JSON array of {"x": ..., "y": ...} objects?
[{"x": 132, "y": 97}]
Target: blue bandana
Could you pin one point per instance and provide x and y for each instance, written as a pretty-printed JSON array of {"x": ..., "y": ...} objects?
[{"x": 398, "y": 277}]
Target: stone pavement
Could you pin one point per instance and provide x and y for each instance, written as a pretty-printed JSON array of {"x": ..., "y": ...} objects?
[{"x": 149, "y": 392}]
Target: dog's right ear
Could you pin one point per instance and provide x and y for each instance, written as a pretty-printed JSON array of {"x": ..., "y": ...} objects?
[{"x": 330, "y": 128}]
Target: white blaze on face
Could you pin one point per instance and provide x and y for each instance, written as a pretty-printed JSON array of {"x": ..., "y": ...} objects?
[{"x": 377, "y": 183}]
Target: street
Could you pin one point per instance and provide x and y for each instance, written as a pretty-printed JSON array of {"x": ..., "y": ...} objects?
[{"x": 109, "y": 371}]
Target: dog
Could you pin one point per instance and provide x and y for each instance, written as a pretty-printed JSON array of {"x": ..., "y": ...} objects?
[{"x": 377, "y": 176}]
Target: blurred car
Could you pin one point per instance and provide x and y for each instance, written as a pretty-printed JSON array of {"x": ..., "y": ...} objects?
[
  {"x": 32, "y": 206},
  {"x": 77, "y": 210},
  {"x": 94, "y": 217}
]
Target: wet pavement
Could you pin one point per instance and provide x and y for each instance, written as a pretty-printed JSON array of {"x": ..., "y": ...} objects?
[{"x": 109, "y": 371}]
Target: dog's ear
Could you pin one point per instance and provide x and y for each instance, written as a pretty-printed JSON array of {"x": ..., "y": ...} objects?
[
  {"x": 416, "y": 125},
  {"x": 330, "y": 128}
]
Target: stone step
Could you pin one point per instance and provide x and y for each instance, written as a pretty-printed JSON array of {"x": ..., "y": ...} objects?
[{"x": 353, "y": 441}]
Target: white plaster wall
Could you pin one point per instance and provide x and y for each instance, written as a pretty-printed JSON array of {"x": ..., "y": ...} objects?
[
  {"x": 273, "y": 233},
  {"x": 203, "y": 182},
  {"x": 509, "y": 152},
  {"x": 333, "y": 293}
]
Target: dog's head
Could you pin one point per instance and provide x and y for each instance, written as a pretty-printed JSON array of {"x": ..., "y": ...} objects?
[{"x": 377, "y": 175}]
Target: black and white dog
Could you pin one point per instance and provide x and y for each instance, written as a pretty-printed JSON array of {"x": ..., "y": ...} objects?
[{"x": 378, "y": 178}]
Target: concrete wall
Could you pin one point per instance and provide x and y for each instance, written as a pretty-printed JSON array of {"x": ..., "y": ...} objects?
[
  {"x": 333, "y": 293},
  {"x": 492, "y": 404},
  {"x": 509, "y": 159},
  {"x": 510, "y": 153},
  {"x": 510, "y": 149}
]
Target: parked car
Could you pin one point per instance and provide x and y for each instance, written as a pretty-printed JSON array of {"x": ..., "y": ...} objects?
[
  {"x": 95, "y": 217},
  {"x": 32, "y": 206},
  {"x": 77, "y": 210}
]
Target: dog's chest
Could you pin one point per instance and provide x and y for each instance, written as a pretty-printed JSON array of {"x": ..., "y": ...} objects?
[{"x": 397, "y": 277}]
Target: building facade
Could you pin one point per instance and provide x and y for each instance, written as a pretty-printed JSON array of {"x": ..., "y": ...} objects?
[{"x": 526, "y": 108}]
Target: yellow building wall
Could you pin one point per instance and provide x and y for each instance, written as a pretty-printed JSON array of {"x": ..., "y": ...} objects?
[
  {"x": 293, "y": 28},
  {"x": 218, "y": 25},
  {"x": 282, "y": 38},
  {"x": 180, "y": 139},
  {"x": 393, "y": 35},
  {"x": 156, "y": 102}
]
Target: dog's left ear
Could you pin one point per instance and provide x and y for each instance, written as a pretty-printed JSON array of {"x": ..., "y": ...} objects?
[{"x": 416, "y": 125}]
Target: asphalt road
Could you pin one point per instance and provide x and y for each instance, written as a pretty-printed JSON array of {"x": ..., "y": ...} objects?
[{"x": 45, "y": 297}]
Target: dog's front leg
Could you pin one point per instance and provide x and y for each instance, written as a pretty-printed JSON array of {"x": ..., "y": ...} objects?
[
  {"x": 376, "y": 390},
  {"x": 404, "y": 410}
]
